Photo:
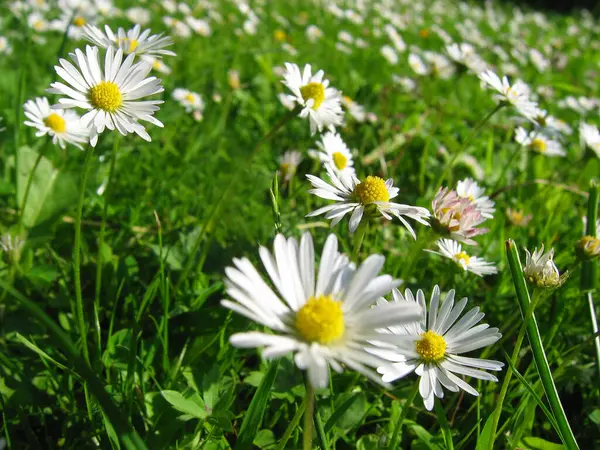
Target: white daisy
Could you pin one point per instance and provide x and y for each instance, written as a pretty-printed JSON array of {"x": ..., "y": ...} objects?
[
  {"x": 112, "y": 95},
  {"x": 540, "y": 269},
  {"x": 433, "y": 347},
  {"x": 138, "y": 15},
  {"x": 157, "y": 64},
  {"x": 453, "y": 250},
  {"x": 288, "y": 163},
  {"x": 325, "y": 320},
  {"x": 369, "y": 198},
  {"x": 63, "y": 126},
  {"x": 516, "y": 95},
  {"x": 590, "y": 137},
  {"x": 132, "y": 41},
  {"x": 320, "y": 103},
  {"x": 417, "y": 65},
  {"x": 5, "y": 46},
  {"x": 354, "y": 109},
  {"x": 333, "y": 151},
  {"x": 468, "y": 188},
  {"x": 191, "y": 101},
  {"x": 456, "y": 217},
  {"x": 538, "y": 142},
  {"x": 200, "y": 26},
  {"x": 464, "y": 55}
]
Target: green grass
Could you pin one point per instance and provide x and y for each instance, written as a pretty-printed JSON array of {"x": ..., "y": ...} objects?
[{"x": 181, "y": 207}]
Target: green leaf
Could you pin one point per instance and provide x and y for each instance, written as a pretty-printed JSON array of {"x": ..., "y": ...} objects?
[
  {"x": 51, "y": 192},
  {"x": 485, "y": 439},
  {"x": 256, "y": 410},
  {"x": 349, "y": 413},
  {"x": 536, "y": 443},
  {"x": 189, "y": 406},
  {"x": 595, "y": 416},
  {"x": 264, "y": 439}
]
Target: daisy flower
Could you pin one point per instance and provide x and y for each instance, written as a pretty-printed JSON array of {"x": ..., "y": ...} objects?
[
  {"x": 131, "y": 41},
  {"x": 516, "y": 95},
  {"x": 5, "y": 46},
  {"x": 590, "y": 136},
  {"x": 456, "y": 216},
  {"x": 356, "y": 111},
  {"x": 191, "y": 101},
  {"x": 465, "y": 57},
  {"x": 324, "y": 317},
  {"x": 540, "y": 269},
  {"x": 62, "y": 126},
  {"x": 157, "y": 64},
  {"x": 588, "y": 247},
  {"x": 517, "y": 217},
  {"x": 138, "y": 15},
  {"x": 539, "y": 142},
  {"x": 112, "y": 96},
  {"x": 369, "y": 198},
  {"x": 468, "y": 188},
  {"x": 334, "y": 152},
  {"x": 453, "y": 250},
  {"x": 319, "y": 102},
  {"x": 288, "y": 163},
  {"x": 433, "y": 347}
]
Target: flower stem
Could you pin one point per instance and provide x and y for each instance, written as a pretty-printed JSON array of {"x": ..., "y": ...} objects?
[
  {"x": 478, "y": 127},
  {"x": 28, "y": 188},
  {"x": 99, "y": 258},
  {"x": 441, "y": 415},
  {"x": 537, "y": 349},
  {"x": 396, "y": 435},
  {"x": 359, "y": 237},
  {"x": 308, "y": 417},
  {"x": 588, "y": 268},
  {"x": 77, "y": 257}
]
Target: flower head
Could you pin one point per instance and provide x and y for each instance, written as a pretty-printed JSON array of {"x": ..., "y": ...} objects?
[
  {"x": 62, "y": 126},
  {"x": 588, "y": 247},
  {"x": 468, "y": 188},
  {"x": 324, "y": 317},
  {"x": 191, "y": 101},
  {"x": 541, "y": 271},
  {"x": 456, "y": 216},
  {"x": 111, "y": 95},
  {"x": 538, "y": 142},
  {"x": 516, "y": 95},
  {"x": 465, "y": 56},
  {"x": 517, "y": 217},
  {"x": 288, "y": 163},
  {"x": 334, "y": 152},
  {"x": 320, "y": 103},
  {"x": 590, "y": 136},
  {"x": 368, "y": 198},
  {"x": 433, "y": 347},
  {"x": 132, "y": 41},
  {"x": 453, "y": 250}
]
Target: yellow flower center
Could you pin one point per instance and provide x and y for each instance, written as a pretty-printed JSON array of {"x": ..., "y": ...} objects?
[
  {"x": 38, "y": 25},
  {"x": 190, "y": 98},
  {"x": 106, "y": 96},
  {"x": 340, "y": 160},
  {"x": 538, "y": 145},
  {"x": 56, "y": 123},
  {"x": 315, "y": 91},
  {"x": 279, "y": 35},
  {"x": 516, "y": 217},
  {"x": 347, "y": 99},
  {"x": 373, "y": 189},
  {"x": 156, "y": 65},
  {"x": 129, "y": 45},
  {"x": 424, "y": 32},
  {"x": 79, "y": 21},
  {"x": 462, "y": 256},
  {"x": 431, "y": 347},
  {"x": 284, "y": 168},
  {"x": 321, "y": 320}
]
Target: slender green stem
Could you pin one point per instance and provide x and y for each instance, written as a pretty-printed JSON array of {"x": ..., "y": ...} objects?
[
  {"x": 359, "y": 237},
  {"x": 321, "y": 431},
  {"x": 588, "y": 268},
  {"x": 127, "y": 434},
  {"x": 478, "y": 127},
  {"x": 213, "y": 215},
  {"x": 446, "y": 431},
  {"x": 292, "y": 426},
  {"x": 77, "y": 257},
  {"x": 537, "y": 349},
  {"x": 308, "y": 417},
  {"x": 396, "y": 435},
  {"x": 101, "y": 237},
  {"x": 28, "y": 188}
]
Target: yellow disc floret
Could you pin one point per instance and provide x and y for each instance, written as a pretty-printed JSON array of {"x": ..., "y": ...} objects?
[
  {"x": 539, "y": 145},
  {"x": 79, "y": 21},
  {"x": 340, "y": 160},
  {"x": 106, "y": 96},
  {"x": 462, "y": 256},
  {"x": 321, "y": 320},
  {"x": 315, "y": 91},
  {"x": 431, "y": 347},
  {"x": 373, "y": 189},
  {"x": 128, "y": 45},
  {"x": 56, "y": 123},
  {"x": 190, "y": 98}
]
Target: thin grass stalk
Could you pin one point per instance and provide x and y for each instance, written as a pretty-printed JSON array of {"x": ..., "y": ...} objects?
[
  {"x": 396, "y": 435},
  {"x": 36, "y": 163},
  {"x": 537, "y": 349},
  {"x": 127, "y": 434},
  {"x": 292, "y": 426},
  {"x": 446, "y": 431},
  {"x": 307, "y": 436}
]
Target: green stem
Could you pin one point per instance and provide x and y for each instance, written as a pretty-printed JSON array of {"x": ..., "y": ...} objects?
[
  {"x": 99, "y": 258},
  {"x": 77, "y": 257},
  {"x": 441, "y": 415},
  {"x": 588, "y": 267},
  {"x": 478, "y": 127},
  {"x": 292, "y": 426},
  {"x": 396, "y": 435},
  {"x": 28, "y": 188},
  {"x": 308, "y": 417},
  {"x": 537, "y": 349},
  {"x": 321, "y": 431},
  {"x": 127, "y": 434},
  {"x": 359, "y": 237},
  {"x": 213, "y": 215}
]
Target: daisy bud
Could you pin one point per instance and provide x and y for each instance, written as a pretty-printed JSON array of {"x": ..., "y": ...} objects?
[
  {"x": 541, "y": 271},
  {"x": 588, "y": 247}
]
